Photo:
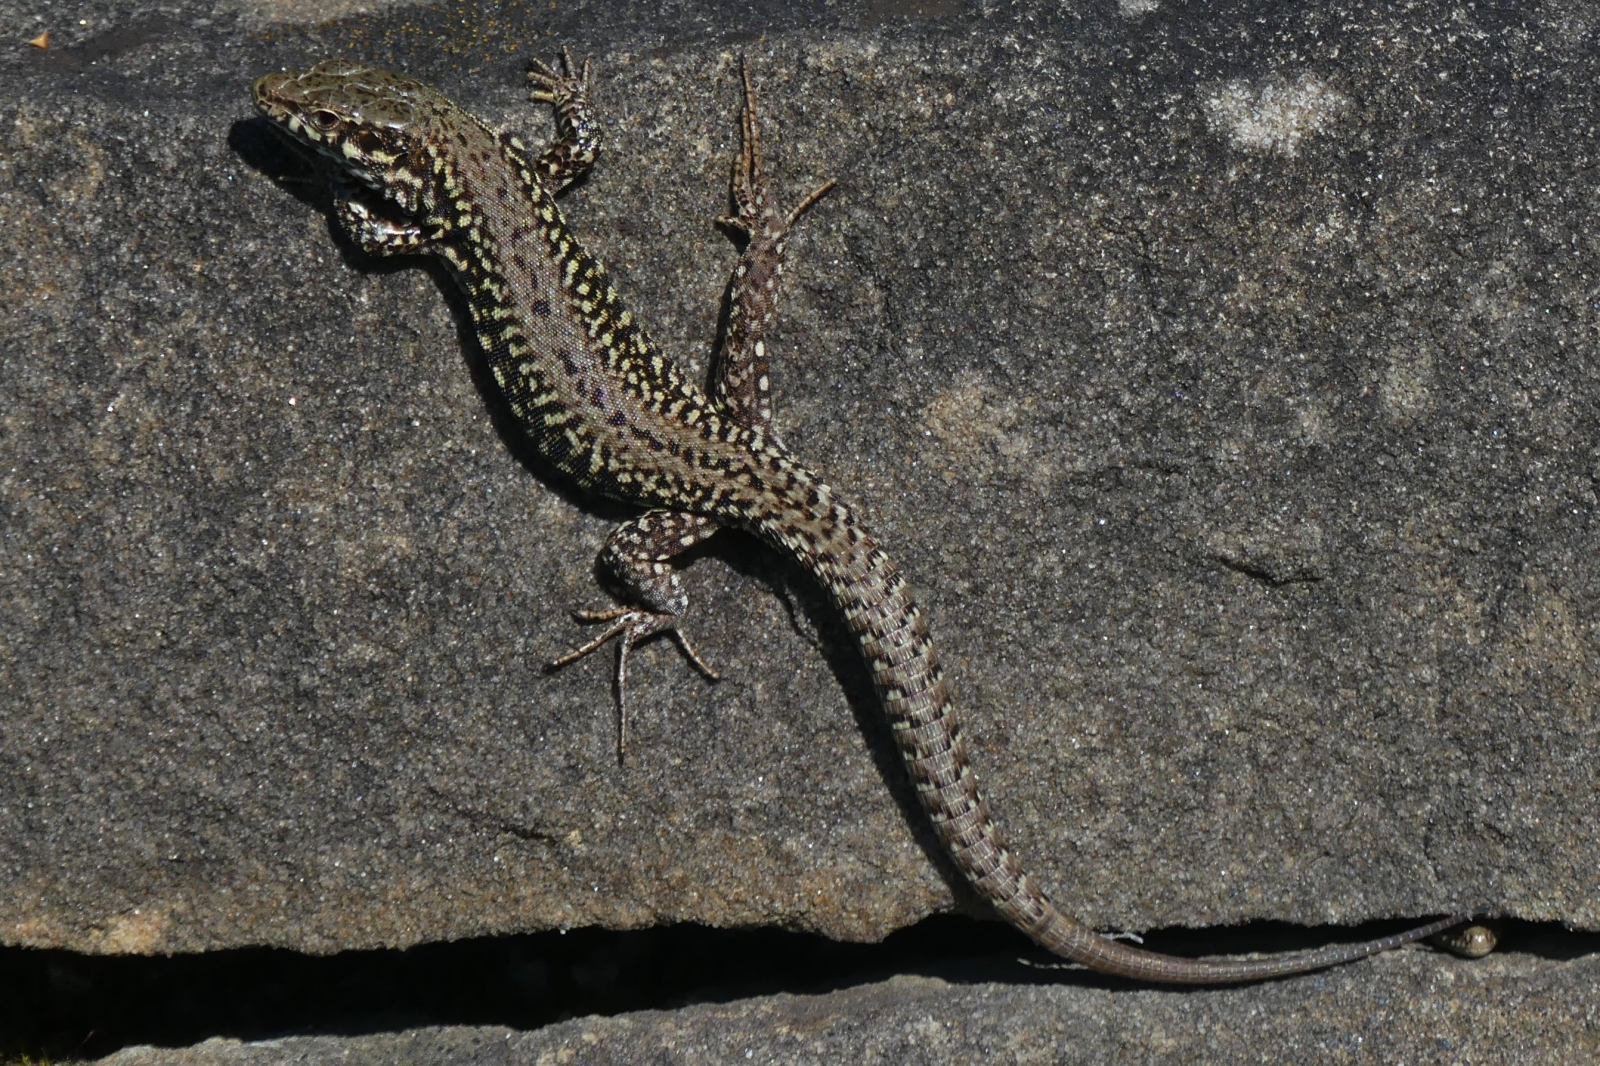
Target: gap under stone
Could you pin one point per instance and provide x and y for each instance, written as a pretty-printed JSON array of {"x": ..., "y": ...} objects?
[{"x": 57, "y": 1005}]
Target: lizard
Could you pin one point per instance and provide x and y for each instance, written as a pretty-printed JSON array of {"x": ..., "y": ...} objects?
[{"x": 415, "y": 174}]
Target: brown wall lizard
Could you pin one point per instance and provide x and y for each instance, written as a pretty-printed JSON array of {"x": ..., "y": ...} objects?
[{"x": 416, "y": 174}]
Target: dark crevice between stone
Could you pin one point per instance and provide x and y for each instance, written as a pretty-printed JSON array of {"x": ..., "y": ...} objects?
[{"x": 61, "y": 1005}]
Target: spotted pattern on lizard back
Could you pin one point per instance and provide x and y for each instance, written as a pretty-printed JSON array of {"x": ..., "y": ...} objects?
[{"x": 415, "y": 174}]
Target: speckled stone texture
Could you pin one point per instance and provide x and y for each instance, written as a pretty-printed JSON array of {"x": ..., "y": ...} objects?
[
  {"x": 1223, "y": 376},
  {"x": 1411, "y": 1008}
]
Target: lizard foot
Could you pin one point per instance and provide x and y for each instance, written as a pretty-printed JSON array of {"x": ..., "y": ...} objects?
[
  {"x": 756, "y": 217},
  {"x": 559, "y": 88},
  {"x": 629, "y": 626},
  {"x": 567, "y": 90}
]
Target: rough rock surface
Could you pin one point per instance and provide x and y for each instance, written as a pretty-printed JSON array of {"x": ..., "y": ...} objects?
[
  {"x": 1222, "y": 375},
  {"x": 1411, "y": 1007}
]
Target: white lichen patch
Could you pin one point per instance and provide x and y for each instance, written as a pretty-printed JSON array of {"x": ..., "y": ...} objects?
[
  {"x": 1274, "y": 115},
  {"x": 1407, "y": 386},
  {"x": 1132, "y": 9},
  {"x": 267, "y": 12}
]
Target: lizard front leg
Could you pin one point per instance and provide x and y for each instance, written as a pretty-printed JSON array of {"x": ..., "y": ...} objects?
[
  {"x": 372, "y": 232},
  {"x": 578, "y": 143}
]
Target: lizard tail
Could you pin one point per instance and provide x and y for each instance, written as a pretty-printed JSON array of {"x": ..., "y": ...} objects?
[{"x": 880, "y": 611}]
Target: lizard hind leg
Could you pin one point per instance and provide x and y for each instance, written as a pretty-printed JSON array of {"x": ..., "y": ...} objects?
[
  {"x": 638, "y": 555},
  {"x": 740, "y": 384}
]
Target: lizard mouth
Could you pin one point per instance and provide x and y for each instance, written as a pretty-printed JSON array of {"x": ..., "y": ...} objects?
[
  {"x": 347, "y": 175},
  {"x": 374, "y": 202}
]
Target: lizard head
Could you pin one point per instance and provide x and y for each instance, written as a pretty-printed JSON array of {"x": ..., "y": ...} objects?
[{"x": 372, "y": 124}]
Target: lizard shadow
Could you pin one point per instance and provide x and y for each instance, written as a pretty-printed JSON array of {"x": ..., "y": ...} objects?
[{"x": 304, "y": 177}]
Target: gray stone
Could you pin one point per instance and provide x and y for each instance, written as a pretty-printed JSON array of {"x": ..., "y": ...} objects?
[
  {"x": 1410, "y": 1007},
  {"x": 1223, "y": 379}
]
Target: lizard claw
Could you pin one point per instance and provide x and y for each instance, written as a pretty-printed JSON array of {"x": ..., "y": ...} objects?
[
  {"x": 561, "y": 87},
  {"x": 632, "y": 624},
  {"x": 756, "y": 216},
  {"x": 629, "y": 626}
]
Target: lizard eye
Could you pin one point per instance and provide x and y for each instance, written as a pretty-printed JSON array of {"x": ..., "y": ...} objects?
[{"x": 323, "y": 119}]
